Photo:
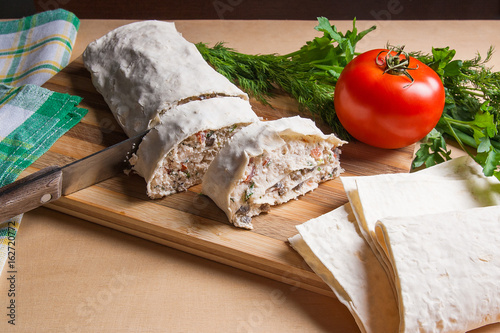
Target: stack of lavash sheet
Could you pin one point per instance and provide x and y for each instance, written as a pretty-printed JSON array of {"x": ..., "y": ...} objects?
[{"x": 416, "y": 252}]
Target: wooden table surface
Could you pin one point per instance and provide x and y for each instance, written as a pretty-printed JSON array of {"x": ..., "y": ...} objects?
[{"x": 75, "y": 276}]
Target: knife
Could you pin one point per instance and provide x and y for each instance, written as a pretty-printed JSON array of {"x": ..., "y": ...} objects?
[{"x": 50, "y": 183}]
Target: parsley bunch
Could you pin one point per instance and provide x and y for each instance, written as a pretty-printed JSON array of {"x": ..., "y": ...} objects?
[{"x": 471, "y": 113}]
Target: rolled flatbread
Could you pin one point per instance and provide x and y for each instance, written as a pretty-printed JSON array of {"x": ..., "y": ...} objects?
[
  {"x": 144, "y": 68},
  {"x": 176, "y": 153},
  {"x": 269, "y": 163}
]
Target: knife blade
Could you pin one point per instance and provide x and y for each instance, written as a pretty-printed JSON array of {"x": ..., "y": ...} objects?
[{"x": 50, "y": 183}]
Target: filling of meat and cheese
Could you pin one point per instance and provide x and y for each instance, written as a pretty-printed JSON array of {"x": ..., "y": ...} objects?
[
  {"x": 278, "y": 176},
  {"x": 185, "y": 165}
]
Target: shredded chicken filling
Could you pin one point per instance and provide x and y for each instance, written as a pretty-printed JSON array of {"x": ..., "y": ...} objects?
[
  {"x": 279, "y": 176},
  {"x": 185, "y": 165}
]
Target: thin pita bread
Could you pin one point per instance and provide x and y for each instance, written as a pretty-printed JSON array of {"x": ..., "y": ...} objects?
[
  {"x": 333, "y": 247},
  {"x": 446, "y": 267}
]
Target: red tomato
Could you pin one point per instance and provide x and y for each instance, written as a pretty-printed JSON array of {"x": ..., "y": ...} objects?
[{"x": 388, "y": 110}]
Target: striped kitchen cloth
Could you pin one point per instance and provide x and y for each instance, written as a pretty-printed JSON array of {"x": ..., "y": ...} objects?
[{"x": 32, "y": 50}]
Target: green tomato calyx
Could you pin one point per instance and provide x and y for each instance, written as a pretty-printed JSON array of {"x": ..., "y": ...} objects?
[{"x": 397, "y": 63}]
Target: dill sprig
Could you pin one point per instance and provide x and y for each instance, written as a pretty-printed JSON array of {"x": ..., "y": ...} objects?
[{"x": 308, "y": 74}]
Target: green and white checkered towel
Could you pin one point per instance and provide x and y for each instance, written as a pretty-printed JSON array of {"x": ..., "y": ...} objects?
[{"x": 32, "y": 118}]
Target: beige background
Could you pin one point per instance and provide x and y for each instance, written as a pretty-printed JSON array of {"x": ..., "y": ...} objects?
[{"x": 75, "y": 276}]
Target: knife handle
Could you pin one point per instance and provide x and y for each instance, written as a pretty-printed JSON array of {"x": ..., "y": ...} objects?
[{"x": 30, "y": 192}]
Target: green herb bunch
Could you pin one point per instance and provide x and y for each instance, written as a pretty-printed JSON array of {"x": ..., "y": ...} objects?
[
  {"x": 471, "y": 112},
  {"x": 308, "y": 75},
  {"x": 470, "y": 117}
]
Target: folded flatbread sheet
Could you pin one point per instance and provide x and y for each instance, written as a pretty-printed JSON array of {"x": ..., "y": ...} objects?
[
  {"x": 335, "y": 250},
  {"x": 454, "y": 185},
  {"x": 446, "y": 268}
]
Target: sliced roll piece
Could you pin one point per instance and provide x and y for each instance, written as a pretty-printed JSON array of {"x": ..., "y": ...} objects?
[
  {"x": 269, "y": 163},
  {"x": 176, "y": 153},
  {"x": 144, "y": 68}
]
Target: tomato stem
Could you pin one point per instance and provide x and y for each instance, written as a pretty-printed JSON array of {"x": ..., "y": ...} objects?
[{"x": 395, "y": 64}]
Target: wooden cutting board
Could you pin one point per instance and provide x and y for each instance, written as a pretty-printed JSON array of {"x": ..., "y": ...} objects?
[{"x": 189, "y": 221}]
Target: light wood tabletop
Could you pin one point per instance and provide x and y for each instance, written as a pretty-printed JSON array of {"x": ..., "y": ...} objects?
[{"x": 75, "y": 276}]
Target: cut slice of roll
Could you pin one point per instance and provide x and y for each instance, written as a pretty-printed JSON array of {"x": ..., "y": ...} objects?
[
  {"x": 269, "y": 163},
  {"x": 176, "y": 153},
  {"x": 144, "y": 68}
]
